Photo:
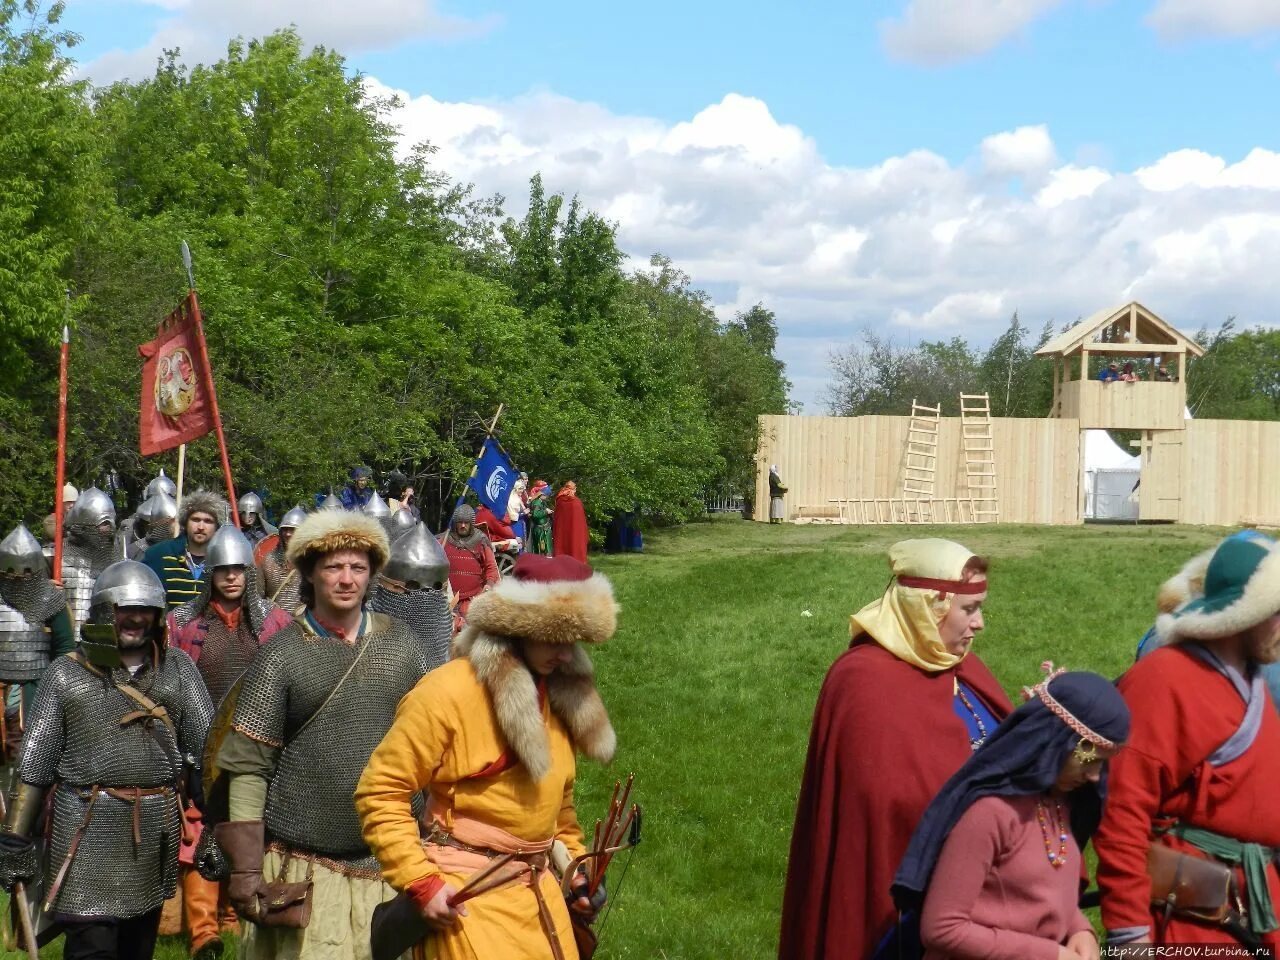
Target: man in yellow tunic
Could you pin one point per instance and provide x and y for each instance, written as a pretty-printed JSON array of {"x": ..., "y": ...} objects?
[{"x": 490, "y": 737}]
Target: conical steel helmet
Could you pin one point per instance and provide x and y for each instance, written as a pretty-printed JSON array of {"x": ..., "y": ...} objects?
[
  {"x": 163, "y": 507},
  {"x": 377, "y": 508},
  {"x": 20, "y": 553},
  {"x": 161, "y": 484},
  {"x": 418, "y": 560},
  {"x": 126, "y": 583},
  {"x": 92, "y": 508},
  {"x": 228, "y": 548},
  {"x": 144, "y": 509},
  {"x": 292, "y": 518},
  {"x": 331, "y": 502}
]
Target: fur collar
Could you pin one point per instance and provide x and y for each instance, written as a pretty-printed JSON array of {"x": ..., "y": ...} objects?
[{"x": 571, "y": 691}]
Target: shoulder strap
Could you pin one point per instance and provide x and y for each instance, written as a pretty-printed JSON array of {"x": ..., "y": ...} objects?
[
  {"x": 334, "y": 692},
  {"x": 149, "y": 706}
]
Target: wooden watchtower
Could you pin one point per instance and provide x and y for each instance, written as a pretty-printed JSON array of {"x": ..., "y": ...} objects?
[
  {"x": 1155, "y": 403},
  {"x": 1121, "y": 335}
]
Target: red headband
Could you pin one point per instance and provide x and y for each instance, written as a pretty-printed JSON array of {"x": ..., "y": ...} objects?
[{"x": 945, "y": 586}]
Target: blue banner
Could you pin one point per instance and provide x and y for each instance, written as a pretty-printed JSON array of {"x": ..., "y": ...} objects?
[{"x": 493, "y": 477}]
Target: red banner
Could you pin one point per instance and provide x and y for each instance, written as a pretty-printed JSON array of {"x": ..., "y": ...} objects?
[{"x": 176, "y": 406}]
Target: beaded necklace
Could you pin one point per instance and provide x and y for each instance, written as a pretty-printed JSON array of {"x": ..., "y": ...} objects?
[
  {"x": 981, "y": 738},
  {"x": 1060, "y": 824}
]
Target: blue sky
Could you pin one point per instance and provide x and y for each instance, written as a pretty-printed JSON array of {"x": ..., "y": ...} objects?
[{"x": 1113, "y": 130}]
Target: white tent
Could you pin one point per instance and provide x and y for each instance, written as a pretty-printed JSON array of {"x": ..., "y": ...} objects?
[{"x": 1110, "y": 476}]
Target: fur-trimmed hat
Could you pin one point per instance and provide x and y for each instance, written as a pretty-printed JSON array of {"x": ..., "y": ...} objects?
[
  {"x": 548, "y": 599},
  {"x": 1239, "y": 587},
  {"x": 328, "y": 530},
  {"x": 203, "y": 501}
]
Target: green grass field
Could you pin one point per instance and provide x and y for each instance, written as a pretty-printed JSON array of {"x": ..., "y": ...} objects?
[{"x": 727, "y": 629}]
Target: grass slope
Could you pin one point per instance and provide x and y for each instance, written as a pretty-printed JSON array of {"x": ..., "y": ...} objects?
[{"x": 712, "y": 678}]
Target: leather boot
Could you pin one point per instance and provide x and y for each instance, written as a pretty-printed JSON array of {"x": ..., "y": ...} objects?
[
  {"x": 200, "y": 898},
  {"x": 243, "y": 842}
]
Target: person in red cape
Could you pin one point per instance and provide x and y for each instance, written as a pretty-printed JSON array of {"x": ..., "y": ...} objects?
[
  {"x": 1202, "y": 770},
  {"x": 569, "y": 529},
  {"x": 899, "y": 712},
  {"x": 498, "y": 529}
]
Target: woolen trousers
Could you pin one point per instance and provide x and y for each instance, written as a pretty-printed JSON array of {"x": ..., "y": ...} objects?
[{"x": 108, "y": 938}]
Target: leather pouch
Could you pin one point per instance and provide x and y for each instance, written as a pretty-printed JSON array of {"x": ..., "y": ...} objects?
[{"x": 1185, "y": 884}]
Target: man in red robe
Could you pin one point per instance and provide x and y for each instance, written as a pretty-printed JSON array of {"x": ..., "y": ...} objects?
[
  {"x": 1201, "y": 772},
  {"x": 569, "y": 529},
  {"x": 898, "y": 714}
]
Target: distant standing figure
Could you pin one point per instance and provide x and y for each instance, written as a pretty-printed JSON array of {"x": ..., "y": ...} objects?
[
  {"x": 1129, "y": 374},
  {"x": 777, "y": 513},
  {"x": 540, "y": 513},
  {"x": 569, "y": 532},
  {"x": 1109, "y": 373},
  {"x": 1163, "y": 375}
]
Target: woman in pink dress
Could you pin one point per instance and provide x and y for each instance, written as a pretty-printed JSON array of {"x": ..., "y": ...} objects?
[{"x": 994, "y": 870}]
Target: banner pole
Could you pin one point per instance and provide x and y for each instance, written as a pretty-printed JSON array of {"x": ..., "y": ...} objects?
[
  {"x": 182, "y": 470},
  {"x": 60, "y": 472},
  {"x": 194, "y": 303},
  {"x": 475, "y": 463}
]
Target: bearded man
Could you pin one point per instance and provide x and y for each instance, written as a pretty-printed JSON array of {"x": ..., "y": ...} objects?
[
  {"x": 1201, "y": 770},
  {"x": 35, "y": 626},
  {"x": 88, "y": 549},
  {"x": 116, "y": 728},
  {"x": 221, "y": 631},
  {"x": 180, "y": 562},
  {"x": 472, "y": 567},
  {"x": 411, "y": 588},
  {"x": 280, "y": 581},
  {"x": 316, "y": 701}
]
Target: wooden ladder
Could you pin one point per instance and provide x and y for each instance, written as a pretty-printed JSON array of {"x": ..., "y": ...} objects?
[
  {"x": 921, "y": 466},
  {"x": 979, "y": 457}
]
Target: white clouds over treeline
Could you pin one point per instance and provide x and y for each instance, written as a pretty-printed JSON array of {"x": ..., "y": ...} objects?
[{"x": 915, "y": 245}]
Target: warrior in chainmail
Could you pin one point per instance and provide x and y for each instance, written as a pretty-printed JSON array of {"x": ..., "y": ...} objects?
[
  {"x": 253, "y": 522},
  {"x": 221, "y": 630},
  {"x": 115, "y": 730},
  {"x": 472, "y": 567},
  {"x": 315, "y": 702},
  {"x": 88, "y": 549},
  {"x": 35, "y": 627},
  {"x": 280, "y": 581},
  {"x": 411, "y": 588},
  {"x": 159, "y": 514}
]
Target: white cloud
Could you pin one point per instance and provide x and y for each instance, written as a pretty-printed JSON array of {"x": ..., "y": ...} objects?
[
  {"x": 1178, "y": 19},
  {"x": 200, "y": 28},
  {"x": 944, "y": 31},
  {"x": 914, "y": 244},
  {"x": 1026, "y": 150}
]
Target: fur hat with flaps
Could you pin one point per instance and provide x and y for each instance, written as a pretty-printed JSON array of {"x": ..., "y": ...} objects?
[
  {"x": 1238, "y": 589},
  {"x": 203, "y": 501},
  {"x": 328, "y": 530},
  {"x": 556, "y": 600}
]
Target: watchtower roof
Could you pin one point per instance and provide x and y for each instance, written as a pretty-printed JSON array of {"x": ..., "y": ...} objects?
[{"x": 1111, "y": 330}]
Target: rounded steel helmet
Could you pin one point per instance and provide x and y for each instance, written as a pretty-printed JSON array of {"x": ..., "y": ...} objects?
[
  {"x": 161, "y": 484},
  {"x": 418, "y": 560},
  {"x": 92, "y": 509},
  {"x": 20, "y": 553},
  {"x": 126, "y": 583},
  {"x": 291, "y": 519},
  {"x": 402, "y": 522},
  {"x": 250, "y": 503},
  {"x": 228, "y": 548},
  {"x": 163, "y": 507}
]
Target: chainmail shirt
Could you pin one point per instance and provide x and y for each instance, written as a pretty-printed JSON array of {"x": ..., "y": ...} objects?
[
  {"x": 309, "y": 800},
  {"x": 427, "y": 615},
  {"x": 281, "y": 583},
  {"x": 26, "y": 605},
  {"x": 85, "y": 554},
  {"x": 76, "y": 739}
]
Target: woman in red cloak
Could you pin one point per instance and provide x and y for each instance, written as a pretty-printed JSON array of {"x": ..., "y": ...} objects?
[
  {"x": 569, "y": 529},
  {"x": 899, "y": 712}
]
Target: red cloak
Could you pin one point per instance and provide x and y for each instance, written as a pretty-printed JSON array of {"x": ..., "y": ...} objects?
[
  {"x": 885, "y": 738},
  {"x": 569, "y": 527}
]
